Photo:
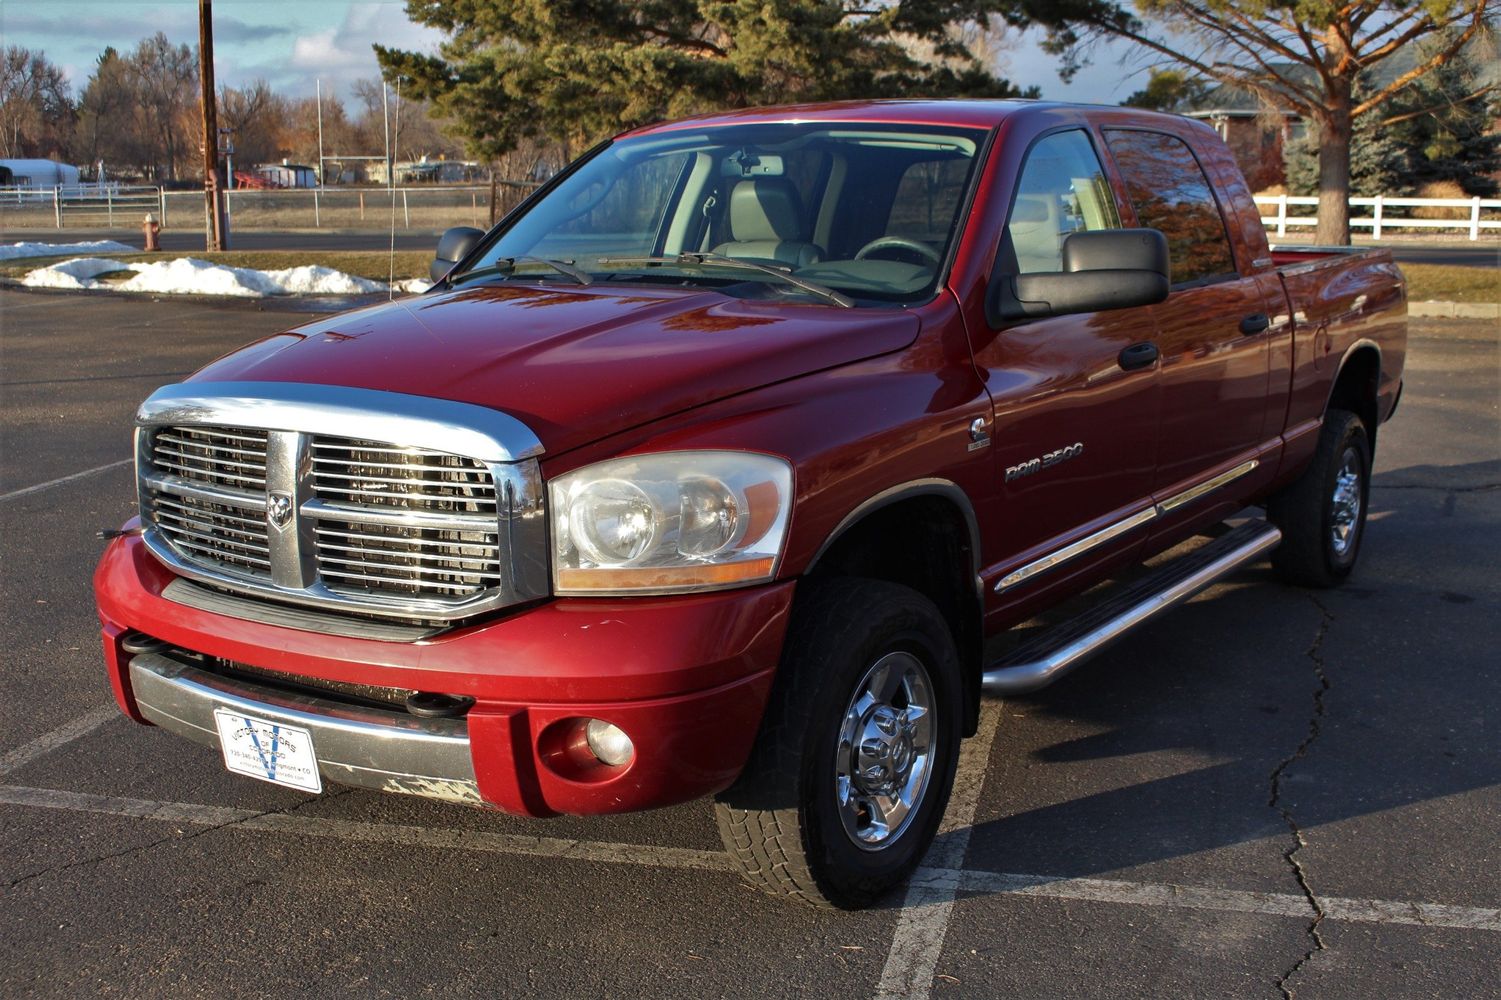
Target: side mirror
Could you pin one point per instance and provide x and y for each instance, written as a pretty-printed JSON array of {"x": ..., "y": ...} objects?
[
  {"x": 453, "y": 247},
  {"x": 1108, "y": 269}
]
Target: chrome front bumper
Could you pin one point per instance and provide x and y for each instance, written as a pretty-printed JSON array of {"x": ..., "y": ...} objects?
[{"x": 362, "y": 747}]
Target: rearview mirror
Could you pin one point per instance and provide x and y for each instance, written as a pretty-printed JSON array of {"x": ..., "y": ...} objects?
[
  {"x": 1108, "y": 269},
  {"x": 453, "y": 247}
]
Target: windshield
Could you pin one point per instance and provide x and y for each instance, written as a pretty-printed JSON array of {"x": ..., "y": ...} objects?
[{"x": 838, "y": 213}]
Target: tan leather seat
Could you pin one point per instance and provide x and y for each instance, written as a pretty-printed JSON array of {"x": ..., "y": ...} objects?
[
  {"x": 1036, "y": 234},
  {"x": 766, "y": 224}
]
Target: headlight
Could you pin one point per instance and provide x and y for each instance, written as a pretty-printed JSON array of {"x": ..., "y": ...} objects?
[{"x": 676, "y": 521}]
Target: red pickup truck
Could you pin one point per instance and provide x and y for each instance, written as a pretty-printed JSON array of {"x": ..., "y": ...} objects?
[{"x": 711, "y": 469}]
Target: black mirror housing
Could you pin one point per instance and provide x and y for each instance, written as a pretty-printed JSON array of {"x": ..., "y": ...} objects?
[
  {"x": 1107, "y": 269},
  {"x": 453, "y": 246},
  {"x": 1116, "y": 250}
]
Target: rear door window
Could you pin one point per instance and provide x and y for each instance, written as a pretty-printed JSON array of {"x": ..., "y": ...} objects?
[{"x": 1169, "y": 191}]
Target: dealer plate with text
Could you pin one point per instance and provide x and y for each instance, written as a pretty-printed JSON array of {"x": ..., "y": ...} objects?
[{"x": 270, "y": 751}]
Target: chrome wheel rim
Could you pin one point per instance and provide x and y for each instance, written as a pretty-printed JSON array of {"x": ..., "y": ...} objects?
[
  {"x": 1344, "y": 506},
  {"x": 884, "y": 761}
]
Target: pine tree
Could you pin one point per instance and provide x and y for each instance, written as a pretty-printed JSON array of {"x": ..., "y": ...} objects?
[
  {"x": 1439, "y": 128},
  {"x": 579, "y": 70}
]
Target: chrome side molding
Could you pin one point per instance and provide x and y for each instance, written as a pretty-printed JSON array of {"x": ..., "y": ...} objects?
[
  {"x": 1207, "y": 486},
  {"x": 1088, "y": 542},
  {"x": 1078, "y": 548},
  {"x": 1043, "y": 660}
]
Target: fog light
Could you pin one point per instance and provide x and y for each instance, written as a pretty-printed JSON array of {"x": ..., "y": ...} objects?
[{"x": 608, "y": 743}]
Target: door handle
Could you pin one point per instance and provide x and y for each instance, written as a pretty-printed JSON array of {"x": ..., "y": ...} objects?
[
  {"x": 1254, "y": 324},
  {"x": 1142, "y": 355}
]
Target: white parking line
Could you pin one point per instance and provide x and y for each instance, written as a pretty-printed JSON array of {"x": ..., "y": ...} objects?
[
  {"x": 27, "y": 491},
  {"x": 369, "y": 833},
  {"x": 49, "y": 741},
  {"x": 918, "y": 940},
  {"x": 1186, "y": 897},
  {"x": 928, "y": 880}
]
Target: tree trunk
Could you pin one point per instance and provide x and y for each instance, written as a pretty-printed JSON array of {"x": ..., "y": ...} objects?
[{"x": 1334, "y": 170}]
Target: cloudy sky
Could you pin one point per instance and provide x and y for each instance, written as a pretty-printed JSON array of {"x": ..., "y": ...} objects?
[{"x": 292, "y": 43}]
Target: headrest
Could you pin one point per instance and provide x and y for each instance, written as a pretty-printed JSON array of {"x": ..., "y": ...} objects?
[
  {"x": 1030, "y": 208},
  {"x": 765, "y": 208}
]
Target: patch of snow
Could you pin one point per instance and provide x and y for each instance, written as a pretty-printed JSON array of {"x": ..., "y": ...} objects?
[
  {"x": 14, "y": 250},
  {"x": 78, "y": 273},
  {"x": 413, "y": 286},
  {"x": 317, "y": 280},
  {"x": 192, "y": 276}
]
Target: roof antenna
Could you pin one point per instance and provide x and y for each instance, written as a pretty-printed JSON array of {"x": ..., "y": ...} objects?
[{"x": 391, "y": 177}]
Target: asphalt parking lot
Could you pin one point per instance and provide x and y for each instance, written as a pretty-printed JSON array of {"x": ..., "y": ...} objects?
[{"x": 1271, "y": 792}]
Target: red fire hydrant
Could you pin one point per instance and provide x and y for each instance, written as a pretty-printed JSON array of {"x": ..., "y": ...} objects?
[{"x": 151, "y": 228}]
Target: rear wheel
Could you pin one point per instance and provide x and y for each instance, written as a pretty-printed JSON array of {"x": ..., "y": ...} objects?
[
  {"x": 1323, "y": 514},
  {"x": 855, "y": 759}
]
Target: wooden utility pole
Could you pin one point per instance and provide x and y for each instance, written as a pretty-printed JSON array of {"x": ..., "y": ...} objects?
[{"x": 212, "y": 198}]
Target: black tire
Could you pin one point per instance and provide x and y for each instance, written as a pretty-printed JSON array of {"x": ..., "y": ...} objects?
[
  {"x": 782, "y": 821},
  {"x": 1321, "y": 535}
]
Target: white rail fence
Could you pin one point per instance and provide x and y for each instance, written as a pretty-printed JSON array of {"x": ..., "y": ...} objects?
[
  {"x": 434, "y": 206},
  {"x": 1475, "y": 215},
  {"x": 80, "y": 205},
  {"x": 429, "y": 206}
]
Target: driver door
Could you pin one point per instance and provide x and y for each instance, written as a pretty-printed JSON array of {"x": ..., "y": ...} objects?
[{"x": 1074, "y": 436}]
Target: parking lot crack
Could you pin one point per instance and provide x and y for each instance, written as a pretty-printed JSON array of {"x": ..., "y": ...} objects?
[
  {"x": 176, "y": 837},
  {"x": 1316, "y": 718}
]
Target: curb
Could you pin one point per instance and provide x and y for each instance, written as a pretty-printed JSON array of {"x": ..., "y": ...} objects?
[{"x": 1455, "y": 310}]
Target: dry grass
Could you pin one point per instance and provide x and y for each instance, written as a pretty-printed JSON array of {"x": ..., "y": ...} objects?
[
  {"x": 1444, "y": 283},
  {"x": 1441, "y": 189}
]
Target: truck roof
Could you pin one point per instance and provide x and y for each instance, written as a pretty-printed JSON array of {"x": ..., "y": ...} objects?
[{"x": 961, "y": 113}]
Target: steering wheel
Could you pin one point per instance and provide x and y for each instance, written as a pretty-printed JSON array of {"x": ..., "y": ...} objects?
[{"x": 922, "y": 250}]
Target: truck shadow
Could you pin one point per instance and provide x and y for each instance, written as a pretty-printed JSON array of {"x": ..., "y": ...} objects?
[{"x": 1162, "y": 751}]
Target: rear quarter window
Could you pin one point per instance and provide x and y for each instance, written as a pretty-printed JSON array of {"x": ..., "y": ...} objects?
[{"x": 1169, "y": 191}]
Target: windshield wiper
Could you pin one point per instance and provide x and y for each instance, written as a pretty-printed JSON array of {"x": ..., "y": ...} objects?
[
  {"x": 507, "y": 265},
  {"x": 720, "y": 260}
]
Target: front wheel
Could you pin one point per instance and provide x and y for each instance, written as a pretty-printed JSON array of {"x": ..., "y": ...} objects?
[
  {"x": 852, "y": 769},
  {"x": 1323, "y": 514}
]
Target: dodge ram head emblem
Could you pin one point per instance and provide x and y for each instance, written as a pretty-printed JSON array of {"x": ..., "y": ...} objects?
[{"x": 278, "y": 509}]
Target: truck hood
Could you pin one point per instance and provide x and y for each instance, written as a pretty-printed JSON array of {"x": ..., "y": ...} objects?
[{"x": 574, "y": 364}]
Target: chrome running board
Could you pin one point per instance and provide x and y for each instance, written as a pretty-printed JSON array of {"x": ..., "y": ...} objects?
[{"x": 1040, "y": 661}]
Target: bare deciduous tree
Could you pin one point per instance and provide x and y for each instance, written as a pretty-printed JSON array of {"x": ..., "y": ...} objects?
[
  {"x": 36, "y": 112},
  {"x": 164, "y": 81},
  {"x": 256, "y": 117},
  {"x": 1304, "y": 56}
]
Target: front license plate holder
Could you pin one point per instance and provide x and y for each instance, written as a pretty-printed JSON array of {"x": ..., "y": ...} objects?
[{"x": 268, "y": 750}]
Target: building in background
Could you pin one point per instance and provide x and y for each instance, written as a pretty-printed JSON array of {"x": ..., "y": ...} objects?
[
  {"x": 287, "y": 175},
  {"x": 37, "y": 174}
]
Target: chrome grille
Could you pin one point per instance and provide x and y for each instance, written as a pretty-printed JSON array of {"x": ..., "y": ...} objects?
[
  {"x": 262, "y": 488},
  {"x": 235, "y": 459},
  {"x": 208, "y": 499},
  {"x": 364, "y": 472},
  {"x": 229, "y": 534},
  {"x": 459, "y": 556},
  {"x": 374, "y": 557}
]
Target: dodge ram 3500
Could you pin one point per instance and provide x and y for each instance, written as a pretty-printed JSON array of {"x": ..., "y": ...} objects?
[{"x": 710, "y": 469}]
